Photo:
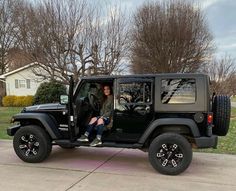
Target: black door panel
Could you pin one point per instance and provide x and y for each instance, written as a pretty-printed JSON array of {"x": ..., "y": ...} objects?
[{"x": 133, "y": 108}]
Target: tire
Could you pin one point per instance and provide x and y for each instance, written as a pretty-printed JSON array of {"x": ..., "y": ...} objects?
[
  {"x": 32, "y": 144},
  {"x": 221, "y": 115},
  {"x": 170, "y": 153}
]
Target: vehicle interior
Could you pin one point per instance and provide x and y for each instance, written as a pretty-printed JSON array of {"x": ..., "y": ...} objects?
[{"x": 88, "y": 103}]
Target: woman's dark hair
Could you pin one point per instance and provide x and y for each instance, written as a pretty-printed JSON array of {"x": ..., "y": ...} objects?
[{"x": 111, "y": 91}]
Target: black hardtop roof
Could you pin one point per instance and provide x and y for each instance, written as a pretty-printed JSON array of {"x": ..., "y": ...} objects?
[{"x": 177, "y": 75}]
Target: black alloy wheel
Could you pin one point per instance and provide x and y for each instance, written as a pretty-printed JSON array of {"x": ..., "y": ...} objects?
[
  {"x": 170, "y": 153},
  {"x": 32, "y": 144},
  {"x": 29, "y": 145}
]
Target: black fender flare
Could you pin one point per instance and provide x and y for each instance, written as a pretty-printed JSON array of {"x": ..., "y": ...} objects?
[
  {"x": 46, "y": 120},
  {"x": 170, "y": 121}
]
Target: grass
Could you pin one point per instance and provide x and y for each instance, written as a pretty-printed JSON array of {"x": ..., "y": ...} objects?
[
  {"x": 233, "y": 99},
  {"x": 226, "y": 144},
  {"x": 5, "y": 116}
]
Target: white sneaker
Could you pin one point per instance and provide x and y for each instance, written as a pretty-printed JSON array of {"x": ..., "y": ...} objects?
[
  {"x": 83, "y": 138},
  {"x": 96, "y": 142}
]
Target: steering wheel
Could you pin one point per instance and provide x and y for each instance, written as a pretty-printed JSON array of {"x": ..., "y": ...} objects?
[{"x": 94, "y": 102}]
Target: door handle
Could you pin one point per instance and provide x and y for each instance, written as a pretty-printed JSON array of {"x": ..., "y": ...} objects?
[{"x": 118, "y": 130}]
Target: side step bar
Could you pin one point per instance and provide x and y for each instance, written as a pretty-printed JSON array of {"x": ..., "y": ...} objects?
[{"x": 104, "y": 144}]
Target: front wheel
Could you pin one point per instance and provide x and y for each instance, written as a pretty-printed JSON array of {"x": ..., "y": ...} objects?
[
  {"x": 32, "y": 144},
  {"x": 170, "y": 154}
]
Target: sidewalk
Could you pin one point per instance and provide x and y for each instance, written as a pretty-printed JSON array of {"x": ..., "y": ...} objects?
[{"x": 111, "y": 169}]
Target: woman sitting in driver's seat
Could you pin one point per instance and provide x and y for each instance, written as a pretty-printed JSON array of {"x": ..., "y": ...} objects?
[{"x": 98, "y": 123}]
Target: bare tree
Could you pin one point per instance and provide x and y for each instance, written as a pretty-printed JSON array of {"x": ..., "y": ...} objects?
[
  {"x": 169, "y": 36},
  {"x": 8, "y": 33},
  {"x": 47, "y": 31},
  {"x": 108, "y": 41},
  {"x": 222, "y": 73},
  {"x": 17, "y": 58},
  {"x": 70, "y": 37}
]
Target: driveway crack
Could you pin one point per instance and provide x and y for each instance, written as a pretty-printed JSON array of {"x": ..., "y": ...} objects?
[{"x": 94, "y": 169}]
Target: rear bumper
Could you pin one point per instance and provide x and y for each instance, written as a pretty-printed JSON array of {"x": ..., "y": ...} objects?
[
  {"x": 207, "y": 142},
  {"x": 12, "y": 130}
]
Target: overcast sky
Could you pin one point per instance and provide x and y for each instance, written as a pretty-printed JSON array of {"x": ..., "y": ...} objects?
[{"x": 221, "y": 16}]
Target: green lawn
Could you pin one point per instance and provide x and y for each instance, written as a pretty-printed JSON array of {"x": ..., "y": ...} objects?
[
  {"x": 233, "y": 99},
  {"x": 226, "y": 144},
  {"x": 5, "y": 117}
]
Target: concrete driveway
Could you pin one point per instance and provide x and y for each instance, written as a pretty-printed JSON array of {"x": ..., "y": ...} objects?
[{"x": 111, "y": 169}]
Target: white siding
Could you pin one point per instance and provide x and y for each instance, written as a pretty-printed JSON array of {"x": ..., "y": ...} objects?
[{"x": 25, "y": 74}]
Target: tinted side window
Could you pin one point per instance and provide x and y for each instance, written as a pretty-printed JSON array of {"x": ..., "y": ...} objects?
[
  {"x": 135, "y": 93},
  {"x": 178, "y": 91}
]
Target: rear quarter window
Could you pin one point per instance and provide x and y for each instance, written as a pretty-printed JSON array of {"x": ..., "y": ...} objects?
[{"x": 178, "y": 91}]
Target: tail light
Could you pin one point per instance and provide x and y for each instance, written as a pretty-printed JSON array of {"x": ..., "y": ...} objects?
[{"x": 210, "y": 118}]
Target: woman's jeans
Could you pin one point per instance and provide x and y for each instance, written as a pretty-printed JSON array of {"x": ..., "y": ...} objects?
[{"x": 98, "y": 128}]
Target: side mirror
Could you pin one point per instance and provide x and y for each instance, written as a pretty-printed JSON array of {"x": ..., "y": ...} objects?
[{"x": 64, "y": 99}]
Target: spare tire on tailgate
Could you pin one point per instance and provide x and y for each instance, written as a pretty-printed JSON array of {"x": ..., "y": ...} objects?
[{"x": 221, "y": 108}]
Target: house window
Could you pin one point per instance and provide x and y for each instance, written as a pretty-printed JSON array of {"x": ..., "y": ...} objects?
[
  {"x": 178, "y": 91},
  {"x": 28, "y": 83},
  {"x": 22, "y": 84}
]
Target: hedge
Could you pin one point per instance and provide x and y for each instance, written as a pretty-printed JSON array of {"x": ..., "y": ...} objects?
[
  {"x": 17, "y": 101},
  {"x": 49, "y": 92}
]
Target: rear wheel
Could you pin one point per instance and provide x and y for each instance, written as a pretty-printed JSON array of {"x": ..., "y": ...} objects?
[
  {"x": 221, "y": 115},
  {"x": 32, "y": 144},
  {"x": 170, "y": 153}
]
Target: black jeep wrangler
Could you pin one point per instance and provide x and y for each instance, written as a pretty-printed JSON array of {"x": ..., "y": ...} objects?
[{"x": 164, "y": 114}]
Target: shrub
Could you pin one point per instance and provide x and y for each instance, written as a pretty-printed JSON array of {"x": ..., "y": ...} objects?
[
  {"x": 8, "y": 101},
  {"x": 28, "y": 100},
  {"x": 17, "y": 101},
  {"x": 49, "y": 92}
]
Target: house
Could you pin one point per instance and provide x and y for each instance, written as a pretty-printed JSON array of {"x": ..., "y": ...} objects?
[{"x": 22, "y": 81}]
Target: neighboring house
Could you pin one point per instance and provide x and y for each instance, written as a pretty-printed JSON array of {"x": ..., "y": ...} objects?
[{"x": 22, "y": 81}]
